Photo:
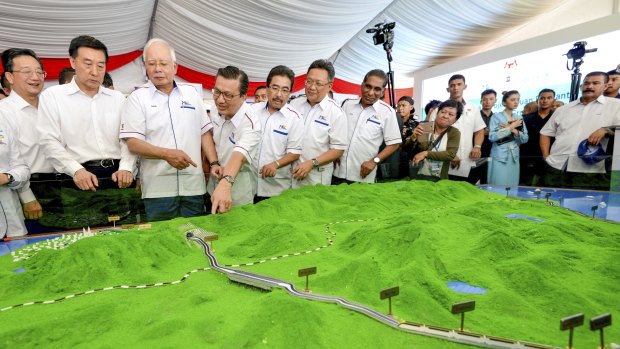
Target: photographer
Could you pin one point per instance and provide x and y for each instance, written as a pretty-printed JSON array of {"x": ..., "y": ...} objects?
[{"x": 405, "y": 109}]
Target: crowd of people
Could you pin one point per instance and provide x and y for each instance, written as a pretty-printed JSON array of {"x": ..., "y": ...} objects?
[{"x": 161, "y": 139}]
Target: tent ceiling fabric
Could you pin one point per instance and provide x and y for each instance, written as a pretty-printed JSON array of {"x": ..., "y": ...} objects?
[{"x": 257, "y": 35}]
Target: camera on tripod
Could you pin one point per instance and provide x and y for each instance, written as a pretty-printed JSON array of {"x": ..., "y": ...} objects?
[
  {"x": 384, "y": 34},
  {"x": 579, "y": 50}
]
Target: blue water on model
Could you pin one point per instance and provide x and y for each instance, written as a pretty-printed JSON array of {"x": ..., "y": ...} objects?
[{"x": 463, "y": 287}]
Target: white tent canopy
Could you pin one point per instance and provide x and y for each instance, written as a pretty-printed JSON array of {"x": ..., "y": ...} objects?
[{"x": 257, "y": 35}]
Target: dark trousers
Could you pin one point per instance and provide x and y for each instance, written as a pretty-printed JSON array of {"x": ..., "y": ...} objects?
[
  {"x": 158, "y": 209},
  {"x": 576, "y": 180}
]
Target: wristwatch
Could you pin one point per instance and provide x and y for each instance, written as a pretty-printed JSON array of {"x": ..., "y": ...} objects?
[
  {"x": 230, "y": 179},
  {"x": 10, "y": 177},
  {"x": 315, "y": 163},
  {"x": 376, "y": 160},
  {"x": 214, "y": 163}
]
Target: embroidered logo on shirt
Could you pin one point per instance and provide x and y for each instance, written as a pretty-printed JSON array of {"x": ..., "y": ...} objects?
[
  {"x": 281, "y": 127},
  {"x": 321, "y": 120},
  {"x": 187, "y": 105},
  {"x": 2, "y": 136},
  {"x": 374, "y": 119},
  {"x": 231, "y": 138}
]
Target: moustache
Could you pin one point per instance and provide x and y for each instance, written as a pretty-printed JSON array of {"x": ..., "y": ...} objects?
[{"x": 588, "y": 90}]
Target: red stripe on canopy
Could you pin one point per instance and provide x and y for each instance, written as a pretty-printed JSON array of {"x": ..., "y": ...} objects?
[{"x": 53, "y": 66}]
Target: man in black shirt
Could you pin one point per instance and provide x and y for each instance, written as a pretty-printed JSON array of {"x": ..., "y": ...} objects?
[
  {"x": 532, "y": 163},
  {"x": 479, "y": 172}
]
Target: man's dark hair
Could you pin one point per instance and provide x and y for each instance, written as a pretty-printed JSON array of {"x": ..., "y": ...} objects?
[
  {"x": 507, "y": 95},
  {"x": 4, "y": 82},
  {"x": 378, "y": 73},
  {"x": 597, "y": 73},
  {"x": 488, "y": 92},
  {"x": 10, "y": 54},
  {"x": 86, "y": 41},
  {"x": 325, "y": 65},
  {"x": 546, "y": 90},
  {"x": 234, "y": 73},
  {"x": 281, "y": 70},
  {"x": 107, "y": 80},
  {"x": 258, "y": 88},
  {"x": 430, "y": 105},
  {"x": 452, "y": 104},
  {"x": 456, "y": 77},
  {"x": 62, "y": 76},
  {"x": 613, "y": 72}
]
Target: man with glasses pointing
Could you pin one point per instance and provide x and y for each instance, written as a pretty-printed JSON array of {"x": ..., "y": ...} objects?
[
  {"x": 325, "y": 128},
  {"x": 236, "y": 133}
]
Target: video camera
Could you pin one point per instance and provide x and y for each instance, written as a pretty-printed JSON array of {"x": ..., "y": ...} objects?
[
  {"x": 383, "y": 34},
  {"x": 579, "y": 50}
]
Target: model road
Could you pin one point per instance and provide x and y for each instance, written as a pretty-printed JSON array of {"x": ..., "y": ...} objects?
[{"x": 426, "y": 330}]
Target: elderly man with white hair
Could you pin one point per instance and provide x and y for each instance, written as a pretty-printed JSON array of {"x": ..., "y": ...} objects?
[{"x": 166, "y": 124}]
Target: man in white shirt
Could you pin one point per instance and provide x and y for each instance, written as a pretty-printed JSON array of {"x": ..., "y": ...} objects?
[
  {"x": 79, "y": 122},
  {"x": 25, "y": 73},
  {"x": 14, "y": 174},
  {"x": 471, "y": 125},
  {"x": 78, "y": 126},
  {"x": 236, "y": 133},
  {"x": 370, "y": 122},
  {"x": 282, "y": 132},
  {"x": 325, "y": 127},
  {"x": 586, "y": 118},
  {"x": 166, "y": 124}
]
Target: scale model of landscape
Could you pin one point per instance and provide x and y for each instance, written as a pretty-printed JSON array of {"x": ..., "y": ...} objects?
[{"x": 524, "y": 263}]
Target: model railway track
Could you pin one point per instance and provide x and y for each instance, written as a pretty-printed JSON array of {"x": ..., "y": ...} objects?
[{"x": 266, "y": 282}]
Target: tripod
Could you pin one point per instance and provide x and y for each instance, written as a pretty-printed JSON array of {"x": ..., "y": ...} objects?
[
  {"x": 575, "y": 78},
  {"x": 390, "y": 75}
]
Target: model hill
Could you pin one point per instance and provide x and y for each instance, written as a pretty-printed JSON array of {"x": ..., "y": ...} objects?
[{"x": 548, "y": 264}]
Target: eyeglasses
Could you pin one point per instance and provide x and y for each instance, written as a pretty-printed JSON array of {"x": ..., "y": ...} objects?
[
  {"x": 226, "y": 95},
  {"x": 276, "y": 89},
  {"x": 29, "y": 72},
  {"x": 316, "y": 83},
  {"x": 153, "y": 63}
]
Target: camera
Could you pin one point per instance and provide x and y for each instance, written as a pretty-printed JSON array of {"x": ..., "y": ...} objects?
[
  {"x": 384, "y": 34},
  {"x": 579, "y": 50}
]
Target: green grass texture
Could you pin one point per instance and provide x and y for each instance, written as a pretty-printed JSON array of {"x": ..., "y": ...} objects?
[{"x": 413, "y": 234}]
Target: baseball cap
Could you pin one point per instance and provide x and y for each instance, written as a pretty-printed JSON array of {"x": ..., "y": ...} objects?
[{"x": 590, "y": 154}]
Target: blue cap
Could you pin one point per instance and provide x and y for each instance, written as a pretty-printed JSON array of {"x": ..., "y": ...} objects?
[{"x": 590, "y": 154}]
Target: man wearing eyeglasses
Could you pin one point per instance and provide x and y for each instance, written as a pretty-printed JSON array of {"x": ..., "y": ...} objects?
[
  {"x": 166, "y": 124},
  {"x": 79, "y": 122},
  {"x": 325, "y": 127},
  {"x": 370, "y": 123},
  {"x": 24, "y": 71},
  {"x": 282, "y": 134},
  {"x": 236, "y": 133}
]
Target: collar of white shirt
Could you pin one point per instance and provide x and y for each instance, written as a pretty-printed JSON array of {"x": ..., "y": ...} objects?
[
  {"x": 73, "y": 87},
  {"x": 236, "y": 119},
  {"x": 17, "y": 101}
]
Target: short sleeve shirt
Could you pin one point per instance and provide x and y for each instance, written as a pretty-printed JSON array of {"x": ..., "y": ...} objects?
[
  {"x": 573, "y": 123},
  {"x": 241, "y": 133},
  {"x": 175, "y": 121},
  {"x": 367, "y": 129}
]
